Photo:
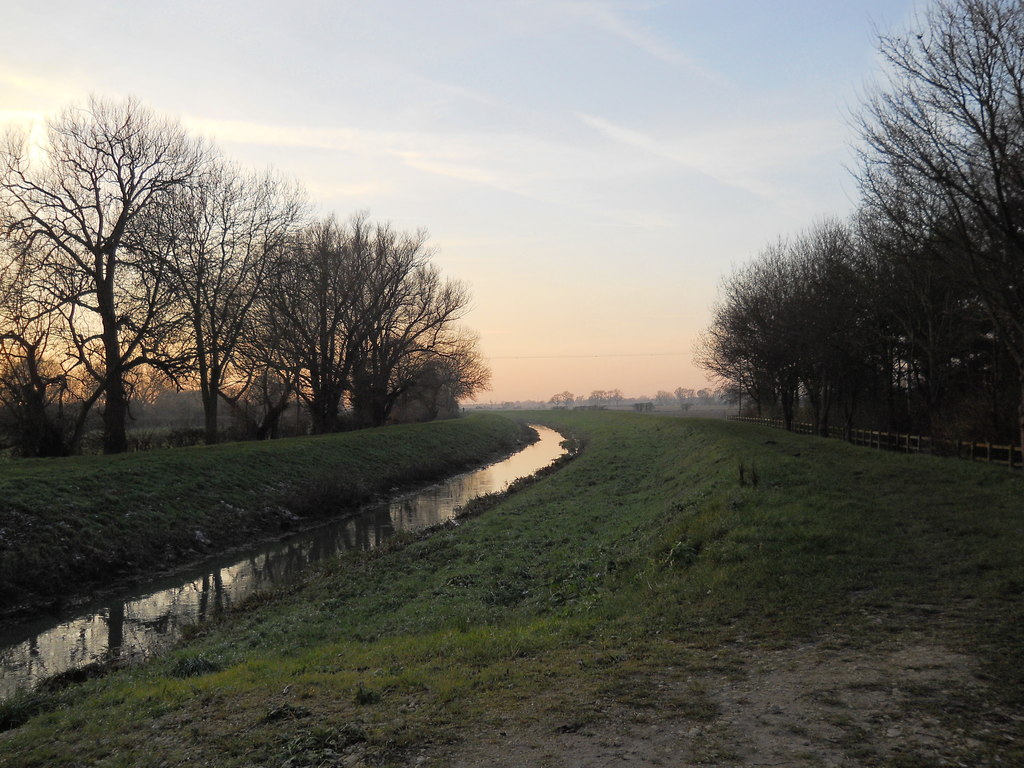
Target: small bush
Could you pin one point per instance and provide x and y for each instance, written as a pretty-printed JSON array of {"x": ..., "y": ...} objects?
[
  {"x": 195, "y": 666},
  {"x": 285, "y": 712},
  {"x": 364, "y": 695},
  {"x": 18, "y": 709}
]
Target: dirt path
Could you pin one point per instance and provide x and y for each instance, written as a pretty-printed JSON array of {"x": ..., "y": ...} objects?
[{"x": 819, "y": 705}]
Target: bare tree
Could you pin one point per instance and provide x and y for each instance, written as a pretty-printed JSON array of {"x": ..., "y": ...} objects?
[
  {"x": 945, "y": 133},
  {"x": 664, "y": 397},
  {"x": 454, "y": 370},
  {"x": 829, "y": 339},
  {"x": 34, "y": 384},
  {"x": 923, "y": 319},
  {"x": 310, "y": 322},
  {"x": 683, "y": 396},
  {"x": 91, "y": 201},
  {"x": 361, "y": 317},
  {"x": 467, "y": 373},
  {"x": 412, "y": 321},
  {"x": 562, "y": 399},
  {"x": 259, "y": 394},
  {"x": 230, "y": 232},
  {"x": 752, "y": 341}
]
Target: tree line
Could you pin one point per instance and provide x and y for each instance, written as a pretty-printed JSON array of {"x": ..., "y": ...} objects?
[
  {"x": 909, "y": 315},
  {"x": 600, "y": 398},
  {"x": 133, "y": 252}
]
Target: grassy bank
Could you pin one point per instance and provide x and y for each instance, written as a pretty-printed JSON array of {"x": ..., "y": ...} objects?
[
  {"x": 654, "y": 593},
  {"x": 71, "y": 524}
]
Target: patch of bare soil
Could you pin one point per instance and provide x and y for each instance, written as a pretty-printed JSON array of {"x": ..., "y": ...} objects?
[{"x": 817, "y": 705}]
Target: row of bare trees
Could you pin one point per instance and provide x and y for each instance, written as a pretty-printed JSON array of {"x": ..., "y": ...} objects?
[
  {"x": 911, "y": 315},
  {"x": 681, "y": 397},
  {"x": 684, "y": 397},
  {"x": 131, "y": 251}
]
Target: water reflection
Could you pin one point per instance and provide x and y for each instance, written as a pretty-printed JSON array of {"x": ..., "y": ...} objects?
[{"x": 138, "y": 623}]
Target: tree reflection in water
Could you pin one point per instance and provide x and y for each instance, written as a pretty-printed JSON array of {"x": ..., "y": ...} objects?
[{"x": 151, "y": 617}]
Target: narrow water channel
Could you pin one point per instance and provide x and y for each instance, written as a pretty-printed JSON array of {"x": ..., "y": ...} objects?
[{"x": 150, "y": 617}]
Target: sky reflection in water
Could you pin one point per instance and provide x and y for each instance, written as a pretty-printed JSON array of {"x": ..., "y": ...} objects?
[{"x": 150, "y": 617}]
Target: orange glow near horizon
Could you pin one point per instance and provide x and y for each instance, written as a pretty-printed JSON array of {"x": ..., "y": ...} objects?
[
  {"x": 538, "y": 378},
  {"x": 589, "y": 169}
]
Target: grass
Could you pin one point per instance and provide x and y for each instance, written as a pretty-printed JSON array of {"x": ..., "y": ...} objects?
[
  {"x": 90, "y": 520},
  {"x": 647, "y": 553}
]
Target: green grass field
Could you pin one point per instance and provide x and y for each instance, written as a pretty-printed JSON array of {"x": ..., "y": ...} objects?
[
  {"x": 670, "y": 564},
  {"x": 84, "y": 521}
]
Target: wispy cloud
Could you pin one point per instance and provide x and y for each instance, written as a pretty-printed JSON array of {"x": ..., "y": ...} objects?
[
  {"x": 501, "y": 161},
  {"x": 331, "y": 189},
  {"x": 268, "y": 134},
  {"x": 751, "y": 158},
  {"x": 605, "y": 16},
  {"x": 42, "y": 93},
  {"x": 567, "y": 173}
]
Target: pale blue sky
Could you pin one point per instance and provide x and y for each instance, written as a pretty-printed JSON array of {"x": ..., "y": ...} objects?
[{"x": 590, "y": 168}]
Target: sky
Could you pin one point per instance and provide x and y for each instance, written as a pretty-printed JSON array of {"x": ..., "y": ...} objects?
[{"x": 591, "y": 169}]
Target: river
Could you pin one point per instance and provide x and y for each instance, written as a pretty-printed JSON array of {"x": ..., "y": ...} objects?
[{"x": 149, "y": 617}]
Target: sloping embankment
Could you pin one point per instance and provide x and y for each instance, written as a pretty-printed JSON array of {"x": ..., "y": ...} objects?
[
  {"x": 67, "y": 525},
  {"x": 684, "y": 592}
]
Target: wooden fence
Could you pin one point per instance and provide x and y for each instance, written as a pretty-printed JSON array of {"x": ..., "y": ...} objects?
[{"x": 1007, "y": 455}]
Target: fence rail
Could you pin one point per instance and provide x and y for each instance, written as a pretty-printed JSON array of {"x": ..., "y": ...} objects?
[{"x": 1008, "y": 455}]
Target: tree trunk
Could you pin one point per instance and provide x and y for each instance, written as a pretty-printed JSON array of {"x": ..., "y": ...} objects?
[
  {"x": 1020, "y": 417},
  {"x": 209, "y": 378},
  {"x": 115, "y": 407},
  {"x": 826, "y": 410},
  {"x": 323, "y": 411},
  {"x": 814, "y": 395},
  {"x": 115, "y": 415},
  {"x": 270, "y": 427},
  {"x": 786, "y": 398},
  {"x": 211, "y": 435}
]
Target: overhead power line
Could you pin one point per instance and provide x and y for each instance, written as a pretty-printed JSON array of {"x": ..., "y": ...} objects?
[{"x": 581, "y": 357}]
